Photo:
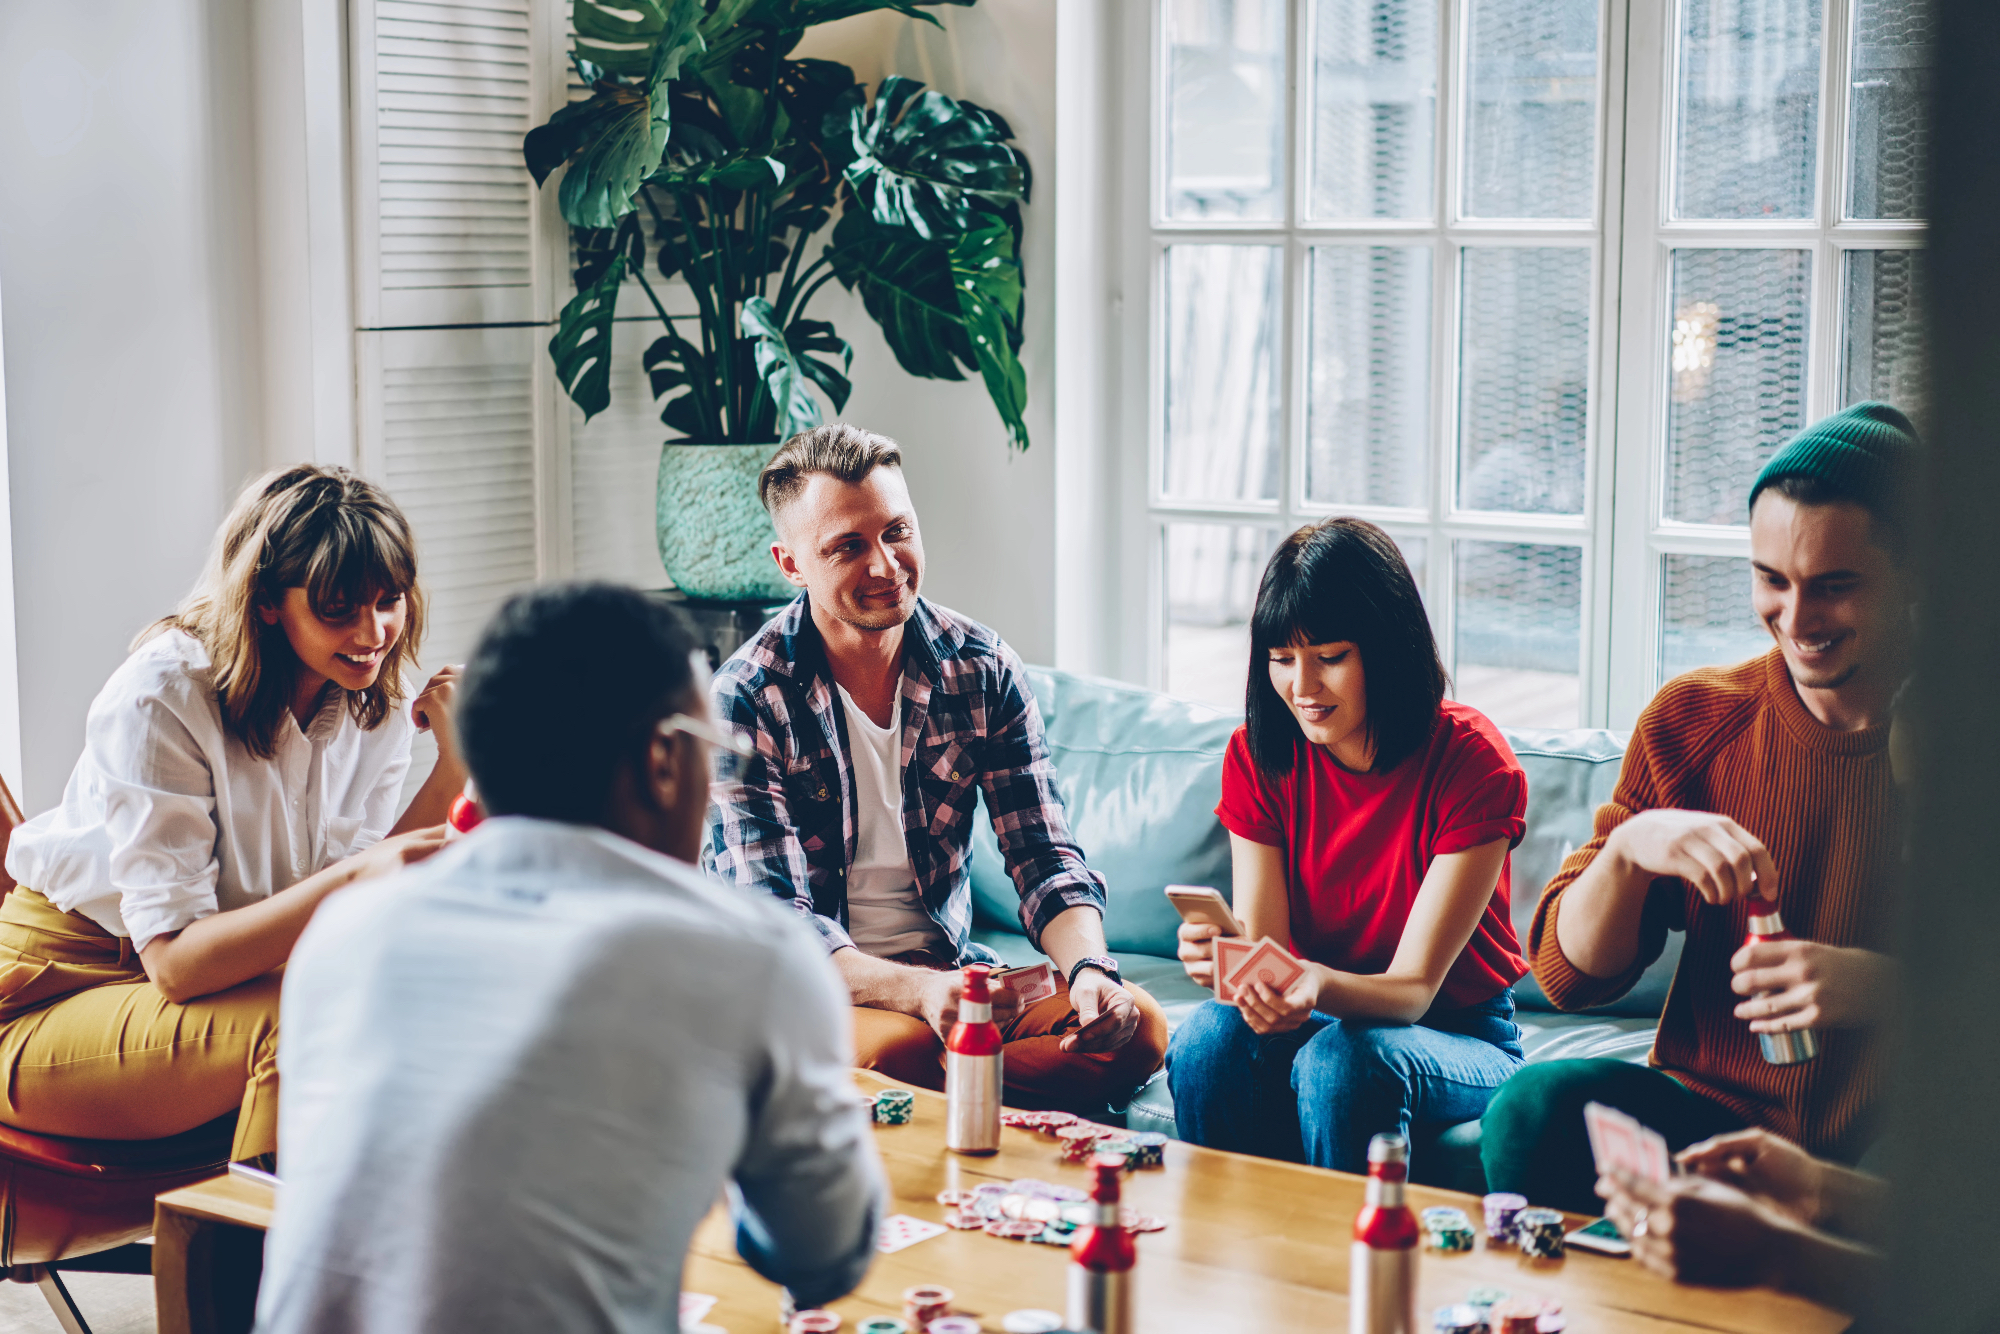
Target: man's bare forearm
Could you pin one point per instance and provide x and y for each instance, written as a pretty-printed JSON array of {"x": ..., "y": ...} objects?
[
  {"x": 1072, "y": 934},
  {"x": 878, "y": 984},
  {"x": 1597, "y": 920}
]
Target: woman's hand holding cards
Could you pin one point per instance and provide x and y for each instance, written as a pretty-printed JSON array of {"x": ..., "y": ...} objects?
[{"x": 1267, "y": 1010}]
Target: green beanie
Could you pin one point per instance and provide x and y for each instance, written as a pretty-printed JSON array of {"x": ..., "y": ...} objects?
[{"x": 1866, "y": 453}]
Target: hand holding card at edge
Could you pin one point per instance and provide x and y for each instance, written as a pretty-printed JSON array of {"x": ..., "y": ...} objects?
[{"x": 1238, "y": 960}]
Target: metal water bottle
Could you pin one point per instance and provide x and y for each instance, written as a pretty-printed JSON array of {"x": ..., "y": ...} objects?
[
  {"x": 972, "y": 1070},
  {"x": 1382, "y": 1265},
  {"x": 1101, "y": 1257},
  {"x": 1801, "y": 1044}
]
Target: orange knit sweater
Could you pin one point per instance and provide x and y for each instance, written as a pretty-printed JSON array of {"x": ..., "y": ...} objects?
[{"x": 1738, "y": 741}]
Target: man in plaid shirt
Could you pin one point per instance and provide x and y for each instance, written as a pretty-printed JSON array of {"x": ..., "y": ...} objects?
[{"x": 878, "y": 719}]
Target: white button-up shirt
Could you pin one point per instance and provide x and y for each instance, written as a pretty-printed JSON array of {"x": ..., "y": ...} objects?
[
  {"x": 168, "y": 818},
  {"x": 515, "y": 1076}
]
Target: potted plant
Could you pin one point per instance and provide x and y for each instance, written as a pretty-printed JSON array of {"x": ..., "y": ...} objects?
[{"x": 706, "y": 152}]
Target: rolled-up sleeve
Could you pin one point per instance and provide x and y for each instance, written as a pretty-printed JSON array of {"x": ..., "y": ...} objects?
[
  {"x": 808, "y": 1190},
  {"x": 1019, "y": 782},
  {"x": 752, "y": 841},
  {"x": 159, "y": 816}
]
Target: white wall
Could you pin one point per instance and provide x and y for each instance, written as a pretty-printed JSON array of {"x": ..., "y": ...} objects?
[
  {"x": 988, "y": 514},
  {"x": 130, "y": 359}
]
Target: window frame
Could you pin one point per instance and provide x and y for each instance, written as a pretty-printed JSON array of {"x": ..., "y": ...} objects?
[{"x": 1622, "y": 532}]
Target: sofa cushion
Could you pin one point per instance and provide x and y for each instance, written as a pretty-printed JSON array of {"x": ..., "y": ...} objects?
[{"x": 1140, "y": 774}]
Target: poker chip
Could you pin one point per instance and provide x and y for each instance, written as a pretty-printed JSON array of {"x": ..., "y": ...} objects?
[
  {"x": 1539, "y": 1234},
  {"x": 963, "y": 1220},
  {"x": 926, "y": 1303},
  {"x": 949, "y": 1196},
  {"x": 1460, "y": 1318},
  {"x": 1052, "y": 1235},
  {"x": 1450, "y": 1239},
  {"x": 1142, "y": 1222},
  {"x": 882, "y": 1324},
  {"x": 1067, "y": 1194},
  {"x": 1514, "y": 1315},
  {"x": 953, "y": 1324},
  {"x": 895, "y": 1107},
  {"x": 1014, "y": 1229},
  {"x": 1054, "y": 1121},
  {"x": 815, "y": 1322},
  {"x": 1031, "y": 1322},
  {"x": 1148, "y": 1149},
  {"x": 1485, "y": 1297},
  {"x": 1078, "y": 1142},
  {"x": 1501, "y": 1209}
]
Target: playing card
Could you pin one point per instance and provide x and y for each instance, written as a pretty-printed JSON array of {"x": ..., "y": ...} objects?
[
  {"x": 1230, "y": 954},
  {"x": 694, "y": 1306},
  {"x": 1035, "y": 982},
  {"x": 1620, "y": 1143},
  {"x": 1268, "y": 962},
  {"x": 901, "y": 1230}
]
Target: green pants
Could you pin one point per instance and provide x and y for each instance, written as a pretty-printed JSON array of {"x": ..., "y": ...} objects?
[{"x": 1532, "y": 1140}]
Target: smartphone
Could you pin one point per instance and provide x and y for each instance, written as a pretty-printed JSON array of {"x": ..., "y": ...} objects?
[
  {"x": 1603, "y": 1237},
  {"x": 1198, "y": 903}
]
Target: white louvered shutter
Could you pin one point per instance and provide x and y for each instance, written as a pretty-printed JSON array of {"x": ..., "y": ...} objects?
[{"x": 455, "y": 402}]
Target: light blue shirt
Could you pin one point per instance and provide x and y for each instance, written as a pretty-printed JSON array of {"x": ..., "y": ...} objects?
[{"x": 515, "y": 1077}]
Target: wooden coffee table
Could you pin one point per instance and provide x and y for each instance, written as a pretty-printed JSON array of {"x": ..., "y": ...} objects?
[{"x": 1251, "y": 1246}]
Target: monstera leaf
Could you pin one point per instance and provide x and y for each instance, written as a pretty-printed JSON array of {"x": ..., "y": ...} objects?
[
  {"x": 927, "y": 162},
  {"x": 582, "y": 345},
  {"x": 986, "y": 277},
  {"x": 617, "y": 136},
  {"x": 794, "y": 15},
  {"x": 786, "y": 370}
]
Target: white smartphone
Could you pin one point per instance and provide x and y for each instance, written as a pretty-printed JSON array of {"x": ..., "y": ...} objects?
[
  {"x": 1198, "y": 903},
  {"x": 1603, "y": 1237}
]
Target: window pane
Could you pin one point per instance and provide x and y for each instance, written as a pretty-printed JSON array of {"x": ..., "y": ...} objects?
[
  {"x": 1706, "y": 619},
  {"x": 1225, "y": 108},
  {"x": 1738, "y": 363},
  {"x": 1749, "y": 108},
  {"x": 1374, "y": 108},
  {"x": 1888, "y": 131},
  {"x": 1883, "y": 352},
  {"x": 1223, "y": 304},
  {"x": 1369, "y": 375},
  {"x": 1531, "y": 109},
  {"x": 1212, "y": 573},
  {"x": 1523, "y": 388},
  {"x": 1520, "y": 622}
]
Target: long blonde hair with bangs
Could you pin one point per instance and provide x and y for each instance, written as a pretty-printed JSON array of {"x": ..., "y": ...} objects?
[{"x": 336, "y": 535}]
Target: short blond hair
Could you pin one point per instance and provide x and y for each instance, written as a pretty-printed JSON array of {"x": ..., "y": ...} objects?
[
  {"x": 839, "y": 450},
  {"x": 335, "y": 534}
]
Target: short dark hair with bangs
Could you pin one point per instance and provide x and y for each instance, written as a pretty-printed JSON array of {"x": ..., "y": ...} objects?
[{"x": 1345, "y": 581}]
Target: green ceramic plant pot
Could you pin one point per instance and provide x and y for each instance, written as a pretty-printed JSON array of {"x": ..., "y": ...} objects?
[{"x": 715, "y": 538}]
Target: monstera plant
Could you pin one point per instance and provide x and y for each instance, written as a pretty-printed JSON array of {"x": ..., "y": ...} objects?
[{"x": 705, "y": 152}]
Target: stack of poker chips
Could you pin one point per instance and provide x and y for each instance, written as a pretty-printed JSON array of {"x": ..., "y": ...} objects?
[
  {"x": 1485, "y": 1298},
  {"x": 1539, "y": 1233},
  {"x": 815, "y": 1322},
  {"x": 1502, "y": 1208},
  {"x": 922, "y": 1305},
  {"x": 953, "y": 1324},
  {"x": 1148, "y": 1149},
  {"x": 1526, "y": 1315},
  {"x": 882, "y": 1324},
  {"x": 1447, "y": 1228},
  {"x": 1031, "y": 1322},
  {"x": 1079, "y": 1140},
  {"x": 1462, "y": 1318},
  {"x": 895, "y": 1107}
]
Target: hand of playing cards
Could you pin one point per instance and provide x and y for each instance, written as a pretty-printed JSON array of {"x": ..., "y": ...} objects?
[
  {"x": 1029, "y": 984},
  {"x": 1239, "y": 962},
  {"x": 1619, "y": 1143}
]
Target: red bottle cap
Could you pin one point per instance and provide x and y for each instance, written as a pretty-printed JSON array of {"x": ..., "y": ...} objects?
[
  {"x": 1106, "y": 1172},
  {"x": 465, "y": 814},
  {"x": 976, "y": 988}
]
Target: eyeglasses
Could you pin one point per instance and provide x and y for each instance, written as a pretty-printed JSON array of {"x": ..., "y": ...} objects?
[{"x": 701, "y": 731}]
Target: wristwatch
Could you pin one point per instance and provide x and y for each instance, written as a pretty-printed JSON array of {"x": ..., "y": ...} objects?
[{"x": 1101, "y": 962}]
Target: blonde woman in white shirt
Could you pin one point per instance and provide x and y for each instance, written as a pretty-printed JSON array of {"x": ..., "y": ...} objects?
[{"x": 245, "y": 762}]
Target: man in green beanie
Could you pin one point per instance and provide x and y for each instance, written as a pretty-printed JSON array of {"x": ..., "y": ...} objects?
[{"x": 1767, "y": 782}]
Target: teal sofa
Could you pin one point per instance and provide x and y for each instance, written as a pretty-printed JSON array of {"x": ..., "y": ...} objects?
[{"x": 1141, "y": 773}]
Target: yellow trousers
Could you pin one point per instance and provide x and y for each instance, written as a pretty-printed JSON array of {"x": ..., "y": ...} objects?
[{"x": 90, "y": 1048}]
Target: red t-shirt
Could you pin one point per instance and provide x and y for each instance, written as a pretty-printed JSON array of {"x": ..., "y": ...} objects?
[{"x": 1357, "y": 845}]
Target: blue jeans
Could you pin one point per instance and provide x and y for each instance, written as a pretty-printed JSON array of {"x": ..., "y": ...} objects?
[{"x": 1318, "y": 1093}]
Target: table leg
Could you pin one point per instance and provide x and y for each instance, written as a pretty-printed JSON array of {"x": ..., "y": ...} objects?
[{"x": 205, "y": 1274}]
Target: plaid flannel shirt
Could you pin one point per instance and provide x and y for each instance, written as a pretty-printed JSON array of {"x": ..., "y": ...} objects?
[{"x": 783, "y": 820}]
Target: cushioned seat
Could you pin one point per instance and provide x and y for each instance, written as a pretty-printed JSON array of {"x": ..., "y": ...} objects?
[{"x": 1141, "y": 773}]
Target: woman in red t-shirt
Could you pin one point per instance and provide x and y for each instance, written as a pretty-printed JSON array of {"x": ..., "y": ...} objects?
[{"x": 1369, "y": 825}]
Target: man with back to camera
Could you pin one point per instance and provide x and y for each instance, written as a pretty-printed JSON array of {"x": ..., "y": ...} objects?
[
  {"x": 516, "y": 1078},
  {"x": 1772, "y": 777},
  {"x": 879, "y": 718}
]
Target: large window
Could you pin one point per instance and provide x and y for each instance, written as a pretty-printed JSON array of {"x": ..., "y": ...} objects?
[{"x": 1434, "y": 264}]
